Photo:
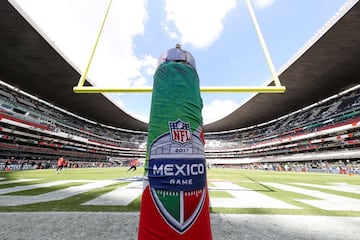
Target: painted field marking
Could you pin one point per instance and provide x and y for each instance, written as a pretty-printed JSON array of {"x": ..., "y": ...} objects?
[
  {"x": 16, "y": 181},
  {"x": 242, "y": 197},
  {"x": 245, "y": 198},
  {"x": 342, "y": 187},
  {"x": 55, "y": 195},
  {"x": 327, "y": 201},
  {"x": 121, "y": 196},
  {"x": 34, "y": 186}
]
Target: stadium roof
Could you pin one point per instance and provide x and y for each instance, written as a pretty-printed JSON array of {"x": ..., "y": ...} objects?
[{"x": 329, "y": 64}]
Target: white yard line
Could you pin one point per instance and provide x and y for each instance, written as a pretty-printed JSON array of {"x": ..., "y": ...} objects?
[
  {"x": 245, "y": 198},
  {"x": 55, "y": 195},
  {"x": 16, "y": 181},
  {"x": 121, "y": 196},
  {"x": 34, "y": 186},
  {"x": 326, "y": 201},
  {"x": 342, "y": 187}
]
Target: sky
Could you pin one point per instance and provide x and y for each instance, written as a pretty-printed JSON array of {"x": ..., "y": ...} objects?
[{"x": 218, "y": 33}]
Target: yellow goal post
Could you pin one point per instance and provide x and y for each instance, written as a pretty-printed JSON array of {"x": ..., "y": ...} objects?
[{"x": 277, "y": 88}]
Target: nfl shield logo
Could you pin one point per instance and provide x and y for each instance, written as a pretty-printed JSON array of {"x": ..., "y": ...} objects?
[{"x": 180, "y": 132}]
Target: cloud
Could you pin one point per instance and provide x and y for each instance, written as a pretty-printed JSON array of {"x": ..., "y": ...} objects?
[
  {"x": 141, "y": 117},
  {"x": 74, "y": 25},
  {"x": 199, "y": 22},
  {"x": 218, "y": 109},
  {"x": 149, "y": 63},
  {"x": 263, "y": 3}
]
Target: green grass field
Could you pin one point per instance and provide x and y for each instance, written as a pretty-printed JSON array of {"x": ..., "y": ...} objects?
[{"x": 251, "y": 181}]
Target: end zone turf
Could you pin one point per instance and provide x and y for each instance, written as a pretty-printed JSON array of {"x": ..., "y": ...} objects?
[{"x": 231, "y": 191}]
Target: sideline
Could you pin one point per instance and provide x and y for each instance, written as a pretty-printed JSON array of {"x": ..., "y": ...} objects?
[{"x": 108, "y": 226}]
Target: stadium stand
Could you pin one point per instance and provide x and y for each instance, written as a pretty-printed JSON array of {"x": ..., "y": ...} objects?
[
  {"x": 322, "y": 137},
  {"x": 34, "y": 133}
]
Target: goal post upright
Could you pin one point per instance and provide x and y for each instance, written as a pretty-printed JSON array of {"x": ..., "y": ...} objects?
[{"x": 277, "y": 88}]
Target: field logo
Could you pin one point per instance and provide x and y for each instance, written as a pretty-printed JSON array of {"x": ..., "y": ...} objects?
[
  {"x": 178, "y": 181},
  {"x": 180, "y": 132}
]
